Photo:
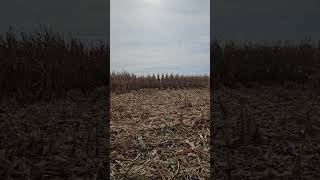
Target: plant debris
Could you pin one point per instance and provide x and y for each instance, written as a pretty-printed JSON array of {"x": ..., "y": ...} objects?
[
  {"x": 160, "y": 134},
  {"x": 266, "y": 133},
  {"x": 52, "y": 140}
]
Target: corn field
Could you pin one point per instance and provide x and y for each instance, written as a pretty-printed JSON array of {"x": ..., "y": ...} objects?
[
  {"x": 124, "y": 81},
  {"x": 45, "y": 65},
  {"x": 264, "y": 63}
]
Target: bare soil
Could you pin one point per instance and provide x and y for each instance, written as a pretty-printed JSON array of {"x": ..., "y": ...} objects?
[{"x": 160, "y": 134}]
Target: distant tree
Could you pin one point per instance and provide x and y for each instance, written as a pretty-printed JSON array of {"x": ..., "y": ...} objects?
[
  {"x": 162, "y": 81},
  {"x": 158, "y": 81}
]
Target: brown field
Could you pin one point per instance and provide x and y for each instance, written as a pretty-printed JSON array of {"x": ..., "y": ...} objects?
[
  {"x": 53, "y": 140},
  {"x": 266, "y": 133},
  {"x": 160, "y": 134}
]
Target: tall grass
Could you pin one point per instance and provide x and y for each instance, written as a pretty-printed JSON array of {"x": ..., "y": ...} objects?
[
  {"x": 45, "y": 65},
  {"x": 124, "y": 82},
  {"x": 264, "y": 63}
]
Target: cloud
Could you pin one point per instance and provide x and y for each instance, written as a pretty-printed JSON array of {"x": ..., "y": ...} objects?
[
  {"x": 173, "y": 36},
  {"x": 151, "y": 55}
]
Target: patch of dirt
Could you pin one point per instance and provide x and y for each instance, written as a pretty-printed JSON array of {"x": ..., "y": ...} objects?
[
  {"x": 267, "y": 133},
  {"x": 160, "y": 134}
]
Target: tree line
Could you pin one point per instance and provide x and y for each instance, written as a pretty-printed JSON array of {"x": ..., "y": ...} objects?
[{"x": 124, "y": 81}]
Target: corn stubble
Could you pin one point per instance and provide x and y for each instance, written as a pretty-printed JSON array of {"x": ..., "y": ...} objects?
[
  {"x": 269, "y": 133},
  {"x": 160, "y": 134},
  {"x": 52, "y": 140}
]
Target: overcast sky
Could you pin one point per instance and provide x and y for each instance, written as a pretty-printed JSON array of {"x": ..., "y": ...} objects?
[
  {"x": 87, "y": 19},
  {"x": 166, "y": 35},
  {"x": 266, "y": 19},
  {"x": 151, "y": 36}
]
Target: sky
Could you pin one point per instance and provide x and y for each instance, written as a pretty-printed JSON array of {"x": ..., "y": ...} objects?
[
  {"x": 160, "y": 36},
  {"x": 85, "y": 19},
  {"x": 166, "y": 35},
  {"x": 271, "y": 20}
]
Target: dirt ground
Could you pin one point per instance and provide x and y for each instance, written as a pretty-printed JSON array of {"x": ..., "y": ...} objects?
[
  {"x": 266, "y": 133},
  {"x": 259, "y": 133},
  {"x": 160, "y": 134},
  {"x": 52, "y": 140}
]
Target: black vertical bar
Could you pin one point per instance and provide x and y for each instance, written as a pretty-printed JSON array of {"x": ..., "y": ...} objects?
[
  {"x": 212, "y": 85},
  {"x": 107, "y": 130}
]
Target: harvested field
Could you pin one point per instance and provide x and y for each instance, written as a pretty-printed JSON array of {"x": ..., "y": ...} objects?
[
  {"x": 266, "y": 133},
  {"x": 53, "y": 140},
  {"x": 160, "y": 134}
]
